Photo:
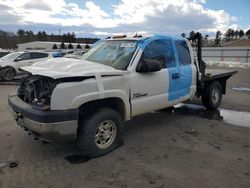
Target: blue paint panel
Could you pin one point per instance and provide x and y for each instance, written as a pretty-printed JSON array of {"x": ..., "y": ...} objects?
[
  {"x": 179, "y": 87},
  {"x": 145, "y": 41},
  {"x": 173, "y": 89},
  {"x": 185, "y": 80}
]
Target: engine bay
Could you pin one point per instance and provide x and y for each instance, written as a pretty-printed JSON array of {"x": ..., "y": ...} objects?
[{"x": 36, "y": 90}]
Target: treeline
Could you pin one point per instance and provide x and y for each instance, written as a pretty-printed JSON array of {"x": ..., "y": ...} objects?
[
  {"x": 9, "y": 40},
  {"x": 221, "y": 38}
]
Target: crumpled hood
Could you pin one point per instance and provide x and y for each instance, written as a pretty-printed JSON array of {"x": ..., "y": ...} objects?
[{"x": 65, "y": 67}]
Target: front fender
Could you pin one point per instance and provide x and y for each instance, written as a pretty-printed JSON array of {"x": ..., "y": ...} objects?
[{"x": 88, "y": 97}]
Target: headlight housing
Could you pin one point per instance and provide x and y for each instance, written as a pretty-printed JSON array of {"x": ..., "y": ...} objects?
[{"x": 36, "y": 91}]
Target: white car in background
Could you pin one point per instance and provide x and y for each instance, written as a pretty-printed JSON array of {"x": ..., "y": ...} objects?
[
  {"x": 10, "y": 63},
  {"x": 76, "y": 54}
]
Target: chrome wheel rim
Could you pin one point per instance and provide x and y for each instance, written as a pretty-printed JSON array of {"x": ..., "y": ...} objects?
[
  {"x": 105, "y": 134},
  {"x": 215, "y": 95}
]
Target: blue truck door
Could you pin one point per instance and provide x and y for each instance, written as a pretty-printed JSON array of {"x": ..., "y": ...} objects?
[
  {"x": 185, "y": 69},
  {"x": 173, "y": 74}
]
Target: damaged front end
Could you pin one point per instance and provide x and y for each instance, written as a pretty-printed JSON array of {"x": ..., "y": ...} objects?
[{"x": 36, "y": 91}]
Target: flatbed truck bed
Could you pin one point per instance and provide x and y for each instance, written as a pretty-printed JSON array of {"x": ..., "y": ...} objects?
[{"x": 213, "y": 74}]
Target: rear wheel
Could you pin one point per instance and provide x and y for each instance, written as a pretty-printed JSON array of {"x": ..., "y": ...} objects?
[
  {"x": 100, "y": 133},
  {"x": 212, "y": 95},
  {"x": 8, "y": 74}
]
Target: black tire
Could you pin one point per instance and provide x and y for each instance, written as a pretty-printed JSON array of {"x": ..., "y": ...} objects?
[
  {"x": 212, "y": 95},
  {"x": 87, "y": 141},
  {"x": 8, "y": 74}
]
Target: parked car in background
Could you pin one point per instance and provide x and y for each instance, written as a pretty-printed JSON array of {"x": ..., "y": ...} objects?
[
  {"x": 65, "y": 52},
  {"x": 57, "y": 54},
  {"x": 10, "y": 63},
  {"x": 76, "y": 54}
]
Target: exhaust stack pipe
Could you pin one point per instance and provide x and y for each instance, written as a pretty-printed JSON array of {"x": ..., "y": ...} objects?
[{"x": 202, "y": 65}]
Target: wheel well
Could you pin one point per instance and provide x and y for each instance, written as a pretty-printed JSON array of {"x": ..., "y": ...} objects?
[
  {"x": 113, "y": 103},
  {"x": 10, "y": 67},
  {"x": 222, "y": 82}
]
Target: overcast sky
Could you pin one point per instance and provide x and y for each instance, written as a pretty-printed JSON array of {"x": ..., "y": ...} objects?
[{"x": 108, "y": 17}]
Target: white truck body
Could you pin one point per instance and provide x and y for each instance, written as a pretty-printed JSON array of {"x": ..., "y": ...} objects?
[
  {"x": 131, "y": 76},
  {"x": 107, "y": 82}
]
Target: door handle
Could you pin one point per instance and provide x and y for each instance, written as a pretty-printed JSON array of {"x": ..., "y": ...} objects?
[{"x": 176, "y": 76}]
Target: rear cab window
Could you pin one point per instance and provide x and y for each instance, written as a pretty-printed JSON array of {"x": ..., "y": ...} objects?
[{"x": 183, "y": 52}]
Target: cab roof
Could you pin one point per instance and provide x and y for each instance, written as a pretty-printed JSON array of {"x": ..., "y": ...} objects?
[{"x": 143, "y": 37}]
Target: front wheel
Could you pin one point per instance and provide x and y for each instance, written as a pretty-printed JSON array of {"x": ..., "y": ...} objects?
[
  {"x": 8, "y": 74},
  {"x": 100, "y": 133},
  {"x": 212, "y": 95}
]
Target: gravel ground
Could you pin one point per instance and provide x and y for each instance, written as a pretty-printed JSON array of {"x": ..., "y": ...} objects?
[{"x": 161, "y": 150}]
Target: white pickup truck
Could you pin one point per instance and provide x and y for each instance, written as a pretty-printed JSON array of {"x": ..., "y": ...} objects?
[{"x": 120, "y": 77}]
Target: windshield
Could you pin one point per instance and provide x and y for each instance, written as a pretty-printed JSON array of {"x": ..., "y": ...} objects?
[
  {"x": 11, "y": 56},
  {"x": 116, "y": 54}
]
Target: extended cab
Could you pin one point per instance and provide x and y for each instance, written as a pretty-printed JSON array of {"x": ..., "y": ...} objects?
[{"x": 119, "y": 78}]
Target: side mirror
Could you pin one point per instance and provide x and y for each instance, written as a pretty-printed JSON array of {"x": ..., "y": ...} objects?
[
  {"x": 148, "y": 66},
  {"x": 18, "y": 59}
]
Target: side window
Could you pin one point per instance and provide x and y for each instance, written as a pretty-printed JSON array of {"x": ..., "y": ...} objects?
[
  {"x": 160, "y": 50},
  {"x": 183, "y": 52},
  {"x": 37, "y": 55},
  {"x": 24, "y": 56}
]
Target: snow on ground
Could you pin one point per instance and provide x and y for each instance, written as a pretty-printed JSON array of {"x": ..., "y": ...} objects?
[{"x": 228, "y": 64}]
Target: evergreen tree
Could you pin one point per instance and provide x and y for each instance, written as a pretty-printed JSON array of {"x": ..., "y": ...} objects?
[
  {"x": 9, "y": 40},
  {"x": 248, "y": 33},
  {"x": 218, "y": 38},
  {"x": 87, "y": 46},
  {"x": 54, "y": 47},
  {"x": 70, "y": 46},
  {"x": 191, "y": 34},
  {"x": 78, "y": 46},
  {"x": 241, "y": 33},
  {"x": 228, "y": 35},
  {"x": 206, "y": 40},
  {"x": 183, "y": 35},
  {"x": 39, "y": 36},
  {"x": 62, "y": 46},
  {"x": 236, "y": 34}
]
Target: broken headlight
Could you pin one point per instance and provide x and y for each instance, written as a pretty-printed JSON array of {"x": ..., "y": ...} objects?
[{"x": 37, "y": 91}]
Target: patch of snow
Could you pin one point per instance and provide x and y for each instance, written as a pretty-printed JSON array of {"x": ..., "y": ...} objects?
[{"x": 228, "y": 64}]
